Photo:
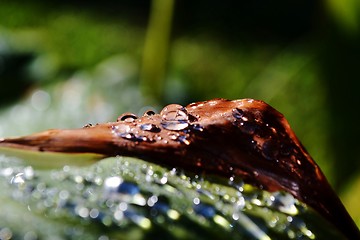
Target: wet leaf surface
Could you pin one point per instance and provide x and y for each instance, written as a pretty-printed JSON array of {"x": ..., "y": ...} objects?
[
  {"x": 127, "y": 198},
  {"x": 243, "y": 138}
]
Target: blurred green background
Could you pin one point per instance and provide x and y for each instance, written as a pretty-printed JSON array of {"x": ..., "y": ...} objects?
[{"x": 300, "y": 56}]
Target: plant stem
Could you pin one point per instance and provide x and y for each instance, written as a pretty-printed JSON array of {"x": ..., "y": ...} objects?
[{"x": 156, "y": 48}]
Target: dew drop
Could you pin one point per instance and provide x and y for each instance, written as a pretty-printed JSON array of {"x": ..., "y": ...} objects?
[
  {"x": 64, "y": 194},
  {"x": 175, "y": 126},
  {"x": 149, "y": 113},
  {"x": 130, "y": 136},
  {"x": 173, "y": 136},
  {"x": 174, "y": 117},
  {"x": 140, "y": 138},
  {"x": 163, "y": 180},
  {"x": 111, "y": 184},
  {"x": 183, "y": 139},
  {"x": 257, "y": 202},
  {"x": 140, "y": 220},
  {"x": 94, "y": 213},
  {"x": 89, "y": 125},
  {"x": 6, "y": 172},
  {"x": 124, "y": 131},
  {"x": 78, "y": 179},
  {"x": 173, "y": 214},
  {"x": 244, "y": 121},
  {"x": 236, "y": 183},
  {"x": 82, "y": 211},
  {"x": 152, "y": 200},
  {"x": 231, "y": 179},
  {"x": 196, "y": 201},
  {"x": 138, "y": 199},
  {"x": 18, "y": 179},
  {"x": 106, "y": 220},
  {"x": 240, "y": 203},
  {"x": 192, "y": 118},
  {"x": 270, "y": 149},
  {"x": 284, "y": 202},
  {"x": 239, "y": 114},
  {"x": 161, "y": 206},
  {"x": 127, "y": 117},
  {"x": 121, "y": 130},
  {"x": 150, "y": 127},
  {"x": 128, "y": 188},
  {"x": 235, "y": 216},
  {"x": 248, "y": 127},
  {"x": 197, "y": 127},
  {"x": 118, "y": 215},
  {"x": 29, "y": 173},
  {"x": 204, "y": 210},
  {"x": 206, "y": 193}
]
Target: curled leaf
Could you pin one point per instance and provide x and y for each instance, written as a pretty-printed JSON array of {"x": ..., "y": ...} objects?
[{"x": 243, "y": 138}]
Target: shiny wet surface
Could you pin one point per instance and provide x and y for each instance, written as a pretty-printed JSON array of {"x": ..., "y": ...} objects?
[{"x": 243, "y": 138}]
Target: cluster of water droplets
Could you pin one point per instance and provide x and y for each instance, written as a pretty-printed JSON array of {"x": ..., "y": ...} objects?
[
  {"x": 132, "y": 193},
  {"x": 262, "y": 136},
  {"x": 174, "y": 118},
  {"x": 127, "y": 131},
  {"x": 228, "y": 208}
]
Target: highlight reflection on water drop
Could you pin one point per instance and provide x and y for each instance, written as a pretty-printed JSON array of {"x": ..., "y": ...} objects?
[
  {"x": 127, "y": 117},
  {"x": 121, "y": 130},
  {"x": 112, "y": 183},
  {"x": 174, "y": 117},
  {"x": 245, "y": 121},
  {"x": 284, "y": 202},
  {"x": 239, "y": 114},
  {"x": 196, "y": 201},
  {"x": 149, "y": 113},
  {"x": 150, "y": 127},
  {"x": 197, "y": 127},
  {"x": 18, "y": 179},
  {"x": 152, "y": 200},
  {"x": 183, "y": 139}
]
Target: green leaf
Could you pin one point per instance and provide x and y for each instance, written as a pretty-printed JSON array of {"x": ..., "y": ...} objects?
[{"x": 127, "y": 198}]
